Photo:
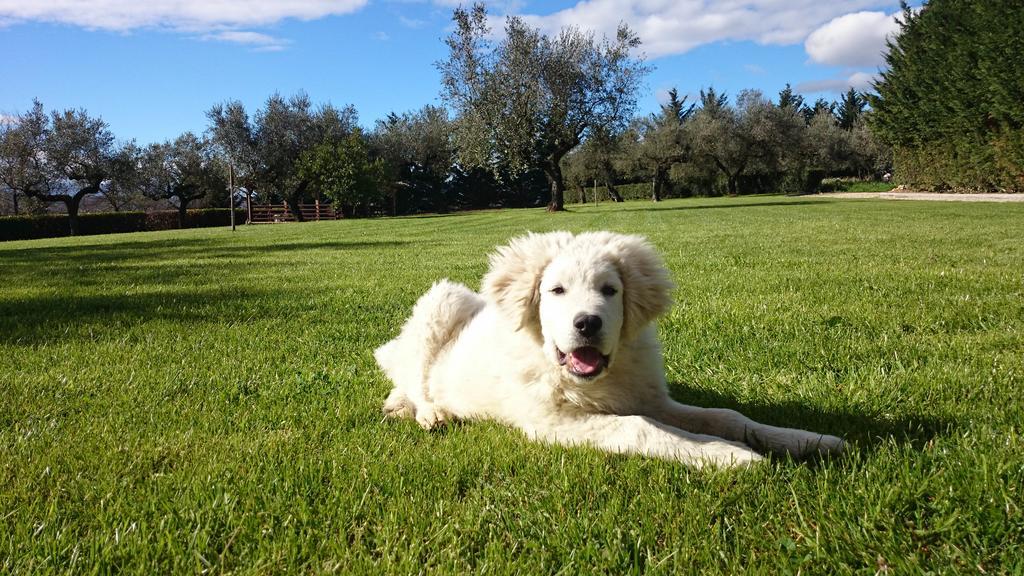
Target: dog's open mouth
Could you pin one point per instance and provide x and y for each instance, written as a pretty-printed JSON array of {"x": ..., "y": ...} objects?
[{"x": 586, "y": 362}]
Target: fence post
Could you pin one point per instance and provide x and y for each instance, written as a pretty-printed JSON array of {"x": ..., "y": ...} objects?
[{"x": 231, "y": 194}]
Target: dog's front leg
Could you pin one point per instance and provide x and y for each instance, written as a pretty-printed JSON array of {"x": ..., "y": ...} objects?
[
  {"x": 642, "y": 435},
  {"x": 732, "y": 425}
]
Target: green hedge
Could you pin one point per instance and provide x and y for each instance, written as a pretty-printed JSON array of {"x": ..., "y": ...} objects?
[
  {"x": 636, "y": 191},
  {"x": 56, "y": 225}
]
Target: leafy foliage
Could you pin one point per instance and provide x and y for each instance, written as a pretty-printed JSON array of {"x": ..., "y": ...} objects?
[
  {"x": 182, "y": 171},
  {"x": 420, "y": 153},
  {"x": 952, "y": 100},
  {"x": 343, "y": 171},
  {"x": 268, "y": 148},
  {"x": 61, "y": 157},
  {"x": 530, "y": 99}
]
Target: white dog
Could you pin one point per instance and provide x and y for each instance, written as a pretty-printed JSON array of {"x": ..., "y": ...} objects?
[{"x": 561, "y": 344}]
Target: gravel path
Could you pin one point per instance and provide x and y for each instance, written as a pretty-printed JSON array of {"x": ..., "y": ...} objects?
[{"x": 929, "y": 196}]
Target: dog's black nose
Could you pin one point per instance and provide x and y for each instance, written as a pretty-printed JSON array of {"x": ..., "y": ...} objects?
[{"x": 587, "y": 324}]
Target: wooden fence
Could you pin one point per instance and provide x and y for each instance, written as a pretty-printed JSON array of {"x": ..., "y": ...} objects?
[{"x": 273, "y": 213}]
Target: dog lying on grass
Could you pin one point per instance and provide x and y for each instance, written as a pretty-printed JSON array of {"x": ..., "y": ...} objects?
[{"x": 561, "y": 344}]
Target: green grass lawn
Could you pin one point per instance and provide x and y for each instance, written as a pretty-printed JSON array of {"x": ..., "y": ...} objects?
[{"x": 202, "y": 401}]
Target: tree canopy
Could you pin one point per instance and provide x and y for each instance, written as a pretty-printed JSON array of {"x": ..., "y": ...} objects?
[
  {"x": 182, "y": 171},
  {"x": 952, "y": 99},
  {"x": 267, "y": 148},
  {"x": 530, "y": 99},
  {"x": 61, "y": 157}
]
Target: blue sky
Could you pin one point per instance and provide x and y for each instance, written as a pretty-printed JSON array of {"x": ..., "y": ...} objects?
[{"x": 151, "y": 68}]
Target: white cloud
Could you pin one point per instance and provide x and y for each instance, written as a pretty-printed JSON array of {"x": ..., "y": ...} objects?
[
  {"x": 258, "y": 41},
  {"x": 381, "y": 36},
  {"x": 189, "y": 15},
  {"x": 860, "y": 81},
  {"x": 8, "y": 119},
  {"x": 677, "y": 26},
  {"x": 856, "y": 39}
]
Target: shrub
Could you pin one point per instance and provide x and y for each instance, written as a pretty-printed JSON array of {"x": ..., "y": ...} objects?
[{"x": 56, "y": 225}]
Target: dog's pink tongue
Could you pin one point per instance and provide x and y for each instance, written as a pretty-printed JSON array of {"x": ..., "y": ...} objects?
[{"x": 586, "y": 361}]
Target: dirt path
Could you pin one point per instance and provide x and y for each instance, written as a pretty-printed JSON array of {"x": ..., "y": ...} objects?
[{"x": 929, "y": 196}]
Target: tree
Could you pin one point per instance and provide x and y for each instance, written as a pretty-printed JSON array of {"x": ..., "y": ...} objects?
[
  {"x": 829, "y": 146},
  {"x": 268, "y": 147},
  {"x": 418, "y": 150},
  {"x": 123, "y": 191},
  {"x": 343, "y": 171},
  {"x": 850, "y": 109},
  {"x": 754, "y": 135},
  {"x": 951, "y": 101},
  {"x": 532, "y": 98},
  {"x": 720, "y": 138},
  {"x": 62, "y": 157},
  {"x": 22, "y": 164},
  {"x": 182, "y": 172},
  {"x": 791, "y": 100},
  {"x": 663, "y": 141},
  {"x": 820, "y": 106}
]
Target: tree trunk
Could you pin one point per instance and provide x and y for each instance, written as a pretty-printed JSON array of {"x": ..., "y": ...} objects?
[
  {"x": 658, "y": 184},
  {"x": 182, "y": 213},
  {"x": 554, "y": 173},
  {"x": 581, "y": 193},
  {"x": 14, "y": 199},
  {"x": 295, "y": 199},
  {"x": 612, "y": 192},
  {"x": 733, "y": 184},
  {"x": 293, "y": 206},
  {"x": 609, "y": 181},
  {"x": 72, "y": 205}
]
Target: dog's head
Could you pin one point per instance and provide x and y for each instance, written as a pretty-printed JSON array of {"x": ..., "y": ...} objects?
[{"x": 579, "y": 296}]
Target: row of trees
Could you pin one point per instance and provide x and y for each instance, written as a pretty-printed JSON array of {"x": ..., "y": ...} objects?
[
  {"x": 532, "y": 116},
  {"x": 65, "y": 156},
  {"x": 750, "y": 145}
]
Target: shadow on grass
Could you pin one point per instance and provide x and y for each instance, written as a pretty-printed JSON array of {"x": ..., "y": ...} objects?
[
  {"x": 862, "y": 430},
  {"x": 69, "y": 317},
  {"x": 165, "y": 249}
]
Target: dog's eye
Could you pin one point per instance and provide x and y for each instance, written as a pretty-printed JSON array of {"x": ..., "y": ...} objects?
[
  {"x": 609, "y": 290},
  {"x": 558, "y": 290}
]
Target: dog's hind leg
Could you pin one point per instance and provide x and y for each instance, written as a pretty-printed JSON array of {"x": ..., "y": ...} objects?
[
  {"x": 398, "y": 405},
  {"x": 436, "y": 321}
]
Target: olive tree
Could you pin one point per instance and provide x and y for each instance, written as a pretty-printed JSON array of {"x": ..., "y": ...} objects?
[
  {"x": 528, "y": 100},
  {"x": 268, "y": 147},
  {"x": 182, "y": 171},
  {"x": 418, "y": 150},
  {"x": 662, "y": 140},
  {"x": 62, "y": 157}
]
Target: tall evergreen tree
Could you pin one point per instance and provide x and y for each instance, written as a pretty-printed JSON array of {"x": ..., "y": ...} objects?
[
  {"x": 850, "y": 108},
  {"x": 952, "y": 99},
  {"x": 790, "y": 100}
]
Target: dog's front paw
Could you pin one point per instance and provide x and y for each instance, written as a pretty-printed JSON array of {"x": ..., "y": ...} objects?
[
  {"x": 430, "y": 417},
  {"x": 811, "y": 445},
  {"x": 830, "y": 445}
]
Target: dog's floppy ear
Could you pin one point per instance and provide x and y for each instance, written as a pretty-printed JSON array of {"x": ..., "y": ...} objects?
[
  {"x": 513, "y": 282},
  {"x": 647, "y": 287}
]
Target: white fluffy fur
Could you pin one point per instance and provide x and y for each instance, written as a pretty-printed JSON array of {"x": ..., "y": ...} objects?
[{"x": 496, "y": 355}]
